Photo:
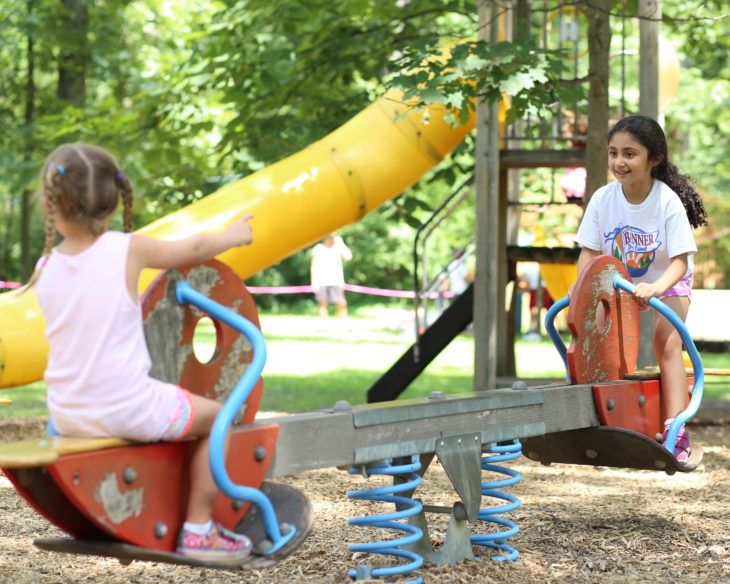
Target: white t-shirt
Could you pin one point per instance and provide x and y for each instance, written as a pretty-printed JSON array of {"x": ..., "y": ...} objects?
[
  {"x": 644, "y": 237},
  {"x": 327, "y": 269}
]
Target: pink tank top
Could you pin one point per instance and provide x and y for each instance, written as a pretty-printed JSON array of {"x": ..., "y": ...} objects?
[{"x": 98, "y": 365}]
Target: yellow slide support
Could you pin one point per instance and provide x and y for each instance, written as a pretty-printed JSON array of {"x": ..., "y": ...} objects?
[{"x": 332, "y": 183}]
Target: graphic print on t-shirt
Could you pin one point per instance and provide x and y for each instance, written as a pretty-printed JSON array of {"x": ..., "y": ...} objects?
[{"x": 634, "y": 247}]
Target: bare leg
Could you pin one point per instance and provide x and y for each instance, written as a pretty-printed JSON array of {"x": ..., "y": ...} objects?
[
  {"x": 203, "y": 489},
  {"x": 341, "y": 309},
  {"x": 323, "y": 309},
  {"x": 668, "y": 349}
]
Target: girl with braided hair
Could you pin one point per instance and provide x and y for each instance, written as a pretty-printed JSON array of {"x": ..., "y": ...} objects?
[
  {"x": 98, "y": 366},
  {"x": 645, "y": 218}
]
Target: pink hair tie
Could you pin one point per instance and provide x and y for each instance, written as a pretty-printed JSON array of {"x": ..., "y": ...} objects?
[{"x": 120, "y": 176}]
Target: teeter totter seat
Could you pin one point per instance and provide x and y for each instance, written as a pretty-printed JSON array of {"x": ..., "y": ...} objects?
[
  {"x": 127, "y": 500},
  {"x": 628, "y": 404}
]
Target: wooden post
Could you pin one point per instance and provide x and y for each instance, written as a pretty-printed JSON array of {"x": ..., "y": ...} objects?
[
  {"x": 650, "y": 13},
  {"x": 486, "y": 278},
  {"x": 599, "y": 43}
]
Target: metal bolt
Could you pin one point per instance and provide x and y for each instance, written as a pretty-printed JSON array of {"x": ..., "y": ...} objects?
[
  {"x": 129, "y": 474},
  {"x": 160, "y": 530},
  {"x": 77, "y": 479},
  {"x": 520, "y": 386},
  {"x": 436, "y": 395},
  {"x": 260, "y": 454},
  {"x": 459, "y": 511},
  {"x": 236, "y": 504},
  {"x": 590, "y": 453},
  {"x": 610, "y": 404},
  {"x": 342, "y": 406},
  {"x": 642, "y": 400}
]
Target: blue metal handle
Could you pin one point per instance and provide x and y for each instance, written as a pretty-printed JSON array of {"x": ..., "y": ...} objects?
[
  {"x": 187, "y": 294},
  {"x": 552, "y": 312},
  {"x": 699, "y": 372}
]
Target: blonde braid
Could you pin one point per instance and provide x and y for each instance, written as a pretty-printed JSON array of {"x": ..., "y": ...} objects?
[
  {"x": 50, "y": 240},
  {"x": 127, "y": 201}
]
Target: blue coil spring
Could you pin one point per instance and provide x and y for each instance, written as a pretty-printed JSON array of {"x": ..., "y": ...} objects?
[
  {"x": 498, "y": 541},
  {"x": 406, "y": 507}
]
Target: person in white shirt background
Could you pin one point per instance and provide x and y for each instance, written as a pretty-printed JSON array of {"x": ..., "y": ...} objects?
[{"x": 328, "y": 274}]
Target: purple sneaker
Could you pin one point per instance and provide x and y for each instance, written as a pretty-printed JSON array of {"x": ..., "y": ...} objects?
[
  {"x": 681, "y": 446},
  {"x": 218, "y": 545}
]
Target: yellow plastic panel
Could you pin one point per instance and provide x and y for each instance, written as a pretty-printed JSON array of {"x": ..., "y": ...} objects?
[
  {"x": 23, "y": 345},
  {"x": 558, "y": 278}
]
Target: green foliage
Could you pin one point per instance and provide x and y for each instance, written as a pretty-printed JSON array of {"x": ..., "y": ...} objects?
[
  {"x": 191, "y": 95},
  {"x": 459, "y": 75},
  {"x": 287, "y": 81}
]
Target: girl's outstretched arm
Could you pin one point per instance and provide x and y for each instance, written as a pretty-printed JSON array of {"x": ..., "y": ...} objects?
[{"x": 148, "y": 252}]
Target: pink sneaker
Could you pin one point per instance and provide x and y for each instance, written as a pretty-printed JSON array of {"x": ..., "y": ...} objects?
[
  {"x": 681, "y": 446},
  {"x": 219, "y": 545}
]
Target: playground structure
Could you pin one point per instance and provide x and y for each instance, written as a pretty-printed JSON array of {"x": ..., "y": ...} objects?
[
  {"x": 125, "y": 500},
  {"x": 336, "y": 181}
]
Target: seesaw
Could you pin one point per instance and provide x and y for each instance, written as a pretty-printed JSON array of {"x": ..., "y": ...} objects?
[
  {"x": 629, "y": 411},
  {"x": 125, "y": 500}
]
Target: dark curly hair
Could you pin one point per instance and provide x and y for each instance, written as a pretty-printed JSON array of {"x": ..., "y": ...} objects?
[{"x": 650, "y": 134}]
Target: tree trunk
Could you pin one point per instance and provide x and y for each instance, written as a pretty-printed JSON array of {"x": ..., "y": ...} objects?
[
  {"x": 74, "y": 55},
  {"x": 599, "y": 43},
  {"x": 26, "y": 203}
]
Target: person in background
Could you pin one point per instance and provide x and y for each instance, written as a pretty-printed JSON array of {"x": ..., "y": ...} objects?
[
  {"x": 458, "y": 274},
  {"x": 328, "y": 275}
]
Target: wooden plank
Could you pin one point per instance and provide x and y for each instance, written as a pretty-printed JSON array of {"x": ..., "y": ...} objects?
[
  {"x": 523, "y": 158},
  {"x": 32, "y": 452},
  {"x": 543, "y": 255},
  {"x": 44, "y": 451}
]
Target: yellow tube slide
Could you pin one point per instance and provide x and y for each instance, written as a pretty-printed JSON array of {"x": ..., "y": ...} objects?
[{"x": 295, "y": 202}]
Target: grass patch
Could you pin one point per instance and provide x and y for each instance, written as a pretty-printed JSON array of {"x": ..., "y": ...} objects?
[
  {"x": 28, "y": 400},
  {"x": 312, "y": 364}
]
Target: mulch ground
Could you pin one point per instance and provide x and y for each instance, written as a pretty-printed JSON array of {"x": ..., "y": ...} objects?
[{"x": 578, "y": 525}]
